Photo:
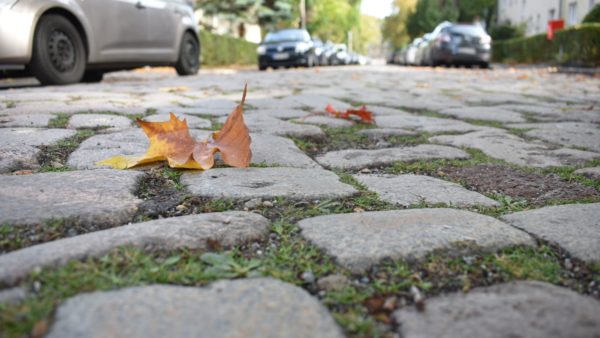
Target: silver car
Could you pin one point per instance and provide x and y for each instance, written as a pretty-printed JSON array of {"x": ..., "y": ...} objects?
[{"x": 67, "y": 41}]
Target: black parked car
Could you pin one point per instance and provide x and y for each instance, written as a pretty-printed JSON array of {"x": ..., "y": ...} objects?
[
  {"x": 286, "y": 48},
  {"x": 461, "y": 44}
]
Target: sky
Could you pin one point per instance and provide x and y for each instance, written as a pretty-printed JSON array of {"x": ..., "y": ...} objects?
[{"x": 377, "y": 8}]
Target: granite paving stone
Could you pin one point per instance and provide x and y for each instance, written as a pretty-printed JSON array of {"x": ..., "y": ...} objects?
[
  {"x": 99, "y": 147},
  {"x": 556, "y": 113},
  {"x": 426, "y": 124},
  {"x": 412, "y": 189},
  {"x": 99, "y": 120},
  {"x": 246, "y": 184},
  {"x": 570, "y": 134},
  {"x": 88, "y": 198},
  {"x": 520, "y": 309},
  {"x": 32, "y": 136},
  {"x": 18, "y": 146},
  {"x": 282, "y": 113},
  {"x": 250, "y": 308},
  {"x": 386, "y": 132},
  {"x": 278, "y": 151},
  {"x": 18, "y": 157},
  {"x": 269, "y": 125},
  {"x": 361, "y": 158},
  {"x": 513, "y": 149},
  {"x": 575, "y": 227},
  {"x": 590, "y": 172},
  {"x": 360, "y": 240},
  {"x": 26, "y": 120},
  {"x": 214, "y": 110},
  {"x": 198, "y": 232},
  {"x": 322, "y": 120},
  {"x": 484, "y": 113},
  {"x": 192, "y": 121}
]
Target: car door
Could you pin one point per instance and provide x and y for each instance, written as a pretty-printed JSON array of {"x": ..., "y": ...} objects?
[
  {"x": 164, "y": 31},
  {"x": 119, "y": 30}
]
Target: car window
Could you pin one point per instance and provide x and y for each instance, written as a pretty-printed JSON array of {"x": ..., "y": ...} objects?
[
  {"x": 287, "y": 35},
  {"x": 472, "y": 30}
]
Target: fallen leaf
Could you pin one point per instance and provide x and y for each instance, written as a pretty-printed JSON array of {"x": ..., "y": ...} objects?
[
  {"x": 362, "y": 113},
  {"x": 178, "y": 89},
  {"x": 171, "y": 141}
]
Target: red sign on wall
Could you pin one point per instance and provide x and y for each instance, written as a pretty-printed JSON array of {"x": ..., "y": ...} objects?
[{"x": 554, "y": 25}]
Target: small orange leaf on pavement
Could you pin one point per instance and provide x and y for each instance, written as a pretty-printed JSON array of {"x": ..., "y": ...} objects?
[
  {"x": 362, "y": 113},
  {"x": 171, "y": 141}
]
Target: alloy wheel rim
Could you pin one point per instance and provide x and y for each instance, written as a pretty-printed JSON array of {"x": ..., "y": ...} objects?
[
  {"x": 61, "y": 51},
  {"x": 191, "y": 53}
]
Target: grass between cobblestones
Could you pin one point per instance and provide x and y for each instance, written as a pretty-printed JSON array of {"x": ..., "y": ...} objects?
[
  {"x": 54, "y": 157},
  {"x": 362, "y": 306}
]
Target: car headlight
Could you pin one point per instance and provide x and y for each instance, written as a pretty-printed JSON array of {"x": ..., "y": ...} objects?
[
  {"x": 261, "y": 50},
  {"x": 7, "y": 3},
  {"x": 486, "y": 39},
  {"x": 302, "y": 47}
]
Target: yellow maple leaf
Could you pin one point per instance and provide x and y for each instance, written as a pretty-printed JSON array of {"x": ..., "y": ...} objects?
[{"x": 171, "y": 141}]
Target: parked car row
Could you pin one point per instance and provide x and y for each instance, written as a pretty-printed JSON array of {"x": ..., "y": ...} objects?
[
  {"x": 450, "y": 44},
  {"x": 295, "y": 48}
]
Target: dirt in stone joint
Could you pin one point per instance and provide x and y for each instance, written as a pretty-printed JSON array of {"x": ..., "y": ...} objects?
[
  {"x": 15, "y": 237},
  {"x": 537, "y": 189},
  {"x": 350, "y": 138},
  {"x": 54, "y": 157}
]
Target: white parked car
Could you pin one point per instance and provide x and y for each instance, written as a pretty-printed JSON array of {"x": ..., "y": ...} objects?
[{"x": 66, "y": 41}]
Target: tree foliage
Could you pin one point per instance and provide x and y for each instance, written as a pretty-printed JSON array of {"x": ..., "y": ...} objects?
[
  {"x": 367, "y": 35},
  {"x": 333, "y": 19},
  {"x": 415, "y": 18},
  {"x": 394, "y": 26},
  {"x": 267, "y": 13},
  {"x": 593, "y": 15}
]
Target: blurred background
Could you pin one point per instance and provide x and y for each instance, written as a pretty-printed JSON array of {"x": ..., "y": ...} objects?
[
  {"x": 382, "y": 28},
  {"x": 68, "y": 41}
]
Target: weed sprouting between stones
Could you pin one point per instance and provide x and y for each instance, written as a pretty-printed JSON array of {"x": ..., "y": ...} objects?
[
  {"x": 54, "y": 157},
  {"x": 350, "y": 138}
]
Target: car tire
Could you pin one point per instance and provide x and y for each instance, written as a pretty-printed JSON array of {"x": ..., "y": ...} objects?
[
  {"x": 189, "y": 55},
  {"x": 92, "y": 76},
  {"x": 485, "y": 65},
  {"x": 58, "y": 55},
  {"x": 262, "y": 68}
]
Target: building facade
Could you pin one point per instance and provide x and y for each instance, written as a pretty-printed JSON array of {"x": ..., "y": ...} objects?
[
  {"x": 224, "y": 25},
  {"x": 535, "y": 14}
]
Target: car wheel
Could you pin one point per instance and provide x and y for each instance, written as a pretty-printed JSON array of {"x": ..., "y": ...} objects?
[
  {"x": 485, "y": 65},
  {"x": 92, "y": 76},
  {"x": 262, "y": 68},
  {"x": 189, "y": 56},
  {"x": 58, "y": 53}
]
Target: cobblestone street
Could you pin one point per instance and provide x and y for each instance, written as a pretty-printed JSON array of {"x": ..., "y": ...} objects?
[{"x": 471, "y": 208}]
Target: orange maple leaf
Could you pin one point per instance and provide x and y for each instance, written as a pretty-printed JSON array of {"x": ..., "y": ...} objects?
[
  {"x": 171, "y": 141},
  {"x": 362, "y": 113}
]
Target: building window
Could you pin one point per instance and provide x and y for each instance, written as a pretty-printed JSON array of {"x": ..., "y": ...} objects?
[
  {"x": 573, "y": 13},
  {"x": 551, "y": 14}
]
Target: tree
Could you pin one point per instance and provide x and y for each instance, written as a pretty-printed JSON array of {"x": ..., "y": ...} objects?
[
  {"x": 267, "y": 13},
  {"x": 394, "y": 26},
  {"x": 428, "y": 14},
  {"x": 333, "y": 19},
  {"x": 470, "y": 10},
  {"x": 367, "y": 35}
]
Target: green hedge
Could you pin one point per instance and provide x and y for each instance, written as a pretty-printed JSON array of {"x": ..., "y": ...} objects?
[
  {"x": 575, "y": 46},
  {"x": 219, "y": 50}
]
